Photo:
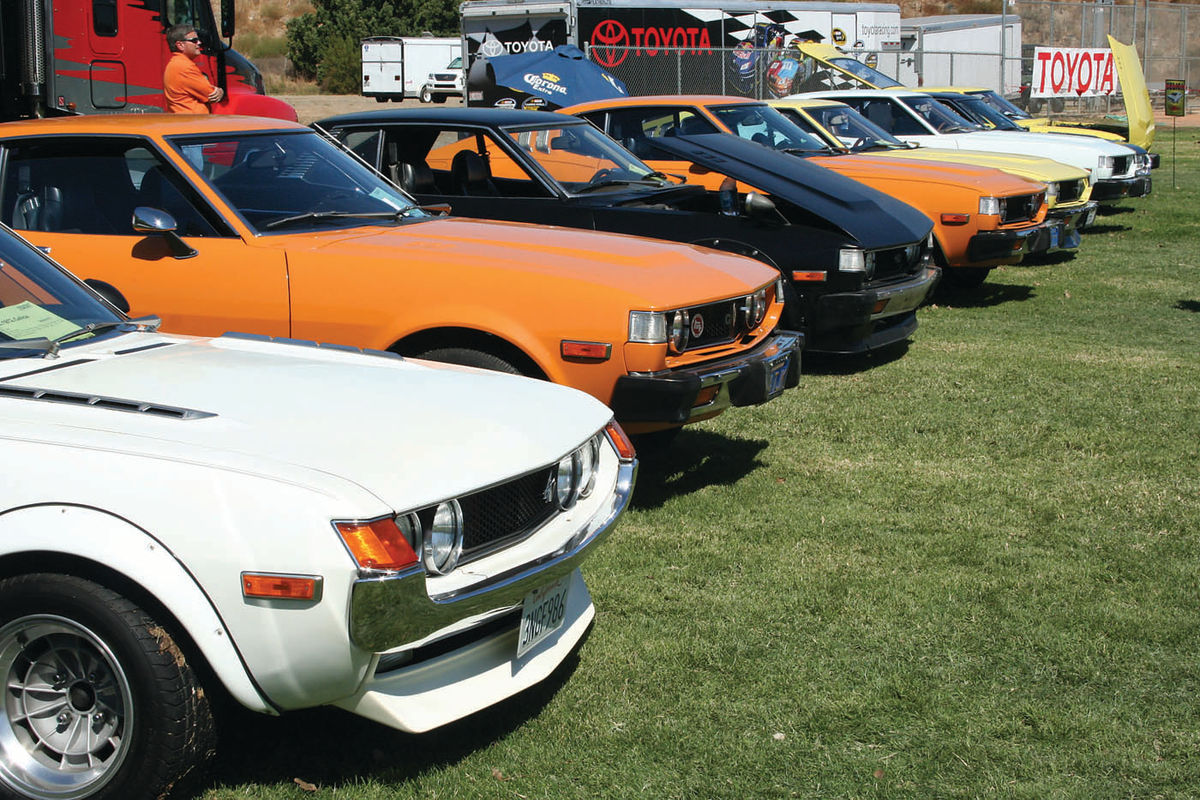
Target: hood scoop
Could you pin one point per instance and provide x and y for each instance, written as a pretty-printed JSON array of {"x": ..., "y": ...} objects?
[{"x": 98, "y": 401}]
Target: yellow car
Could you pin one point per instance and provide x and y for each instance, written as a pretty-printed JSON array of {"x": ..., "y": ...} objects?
[{"x": 1068, "y": 189}]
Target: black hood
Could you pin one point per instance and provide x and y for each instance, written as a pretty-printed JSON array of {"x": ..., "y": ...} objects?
[{"x": 870, "y": 217}]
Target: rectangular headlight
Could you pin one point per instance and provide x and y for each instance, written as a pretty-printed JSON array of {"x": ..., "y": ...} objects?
[
  {"x": 1052, "y": 192},
  {"x": 648, "y": 327},
  {"x": 1105, "y": 165}
]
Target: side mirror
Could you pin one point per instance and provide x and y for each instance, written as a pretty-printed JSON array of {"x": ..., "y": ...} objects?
[
  {"x": 759, "y": 206},
  {"x": 441, "y": 209},
  {"x": 110, "y": 293},
  {"x": 156, "y": 221},
  {"x": 227, "y": 15}
]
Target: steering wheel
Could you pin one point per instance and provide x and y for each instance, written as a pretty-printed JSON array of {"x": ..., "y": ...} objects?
[
  {"x": 862, "y": 141},
  {"x": 602, "y": 175}
]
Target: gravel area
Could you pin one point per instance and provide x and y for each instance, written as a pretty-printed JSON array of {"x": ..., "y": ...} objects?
[{"x": 312, "y": 107}]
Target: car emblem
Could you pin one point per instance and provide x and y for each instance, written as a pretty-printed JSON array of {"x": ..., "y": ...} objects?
[{"x": 697, "y": 326}]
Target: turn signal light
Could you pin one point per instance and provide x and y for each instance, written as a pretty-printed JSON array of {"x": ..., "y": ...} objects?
[
  {"x": 377, "y": 545},
  {"x": 955, "y": 219},
  {"x": 279, "y": 587},
  {"x": 595, "y": 351},
  {"x": 880, "y": 305},
  {"x": 813, "y": 275},
  {"x": 620, "y": 441},
  {"x": 706, "y": 396}
]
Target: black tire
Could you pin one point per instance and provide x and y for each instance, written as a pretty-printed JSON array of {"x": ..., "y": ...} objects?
[
  {"x": 439, "y": 98},
  {"x": 469, "y": 358},
  {"x": 964, "y": 278},
  {"x": 99, "y": 663},
  {"x": 381, "y": 98},
  {"x": 426, "y": 94}
]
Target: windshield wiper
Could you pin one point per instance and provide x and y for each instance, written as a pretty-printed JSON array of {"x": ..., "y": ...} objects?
[
  {"x": 616, "y": 182},
  {"x": 50, "y": 347},
  {"x": 317, "y": 216}
]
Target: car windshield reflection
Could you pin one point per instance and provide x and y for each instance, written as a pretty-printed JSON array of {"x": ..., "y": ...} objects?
[
  {"x": 295, "y": 181},
  {"x": 42, "y": 308}
]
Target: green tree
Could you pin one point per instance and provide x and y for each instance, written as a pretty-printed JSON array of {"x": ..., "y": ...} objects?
[{"x": 322, "y": 32}]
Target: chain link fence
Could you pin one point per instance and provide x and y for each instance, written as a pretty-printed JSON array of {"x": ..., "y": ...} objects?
[{"x": 1166, "y": 35}]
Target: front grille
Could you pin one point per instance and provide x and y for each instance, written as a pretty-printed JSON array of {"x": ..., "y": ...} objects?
[
  {"x": 1020, "y": 208},
  {"x": 502, "y": 514},
  {"x": 1121, "y": 165},
  {"x": 1070, "y": 191},
  {"x": 717, "y": 323},
  {"x": 895, "y": 262},
  {"x": 441, "y": 76}
]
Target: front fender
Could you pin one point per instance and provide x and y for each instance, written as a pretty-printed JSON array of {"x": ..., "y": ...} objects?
[{"x": 80, "y": 532}]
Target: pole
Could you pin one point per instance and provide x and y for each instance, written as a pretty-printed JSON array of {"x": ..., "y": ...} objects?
[{"x": 1003, "y": 38}]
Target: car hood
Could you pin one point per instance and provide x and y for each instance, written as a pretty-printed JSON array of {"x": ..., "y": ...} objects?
[
  {"x": 1133, "y": 90},
  {"x": 985, "y": 180},
  {"x": 1078, "y": 151},
  {"x": 1032, "y": 167},
  {"x": 409, "y": 433},
  {"x": 650, "y": 272},
  {"x": 868, "y": 216}
]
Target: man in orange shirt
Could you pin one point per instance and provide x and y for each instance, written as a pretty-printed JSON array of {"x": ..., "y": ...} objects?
[{"x": 185, "y": 87}]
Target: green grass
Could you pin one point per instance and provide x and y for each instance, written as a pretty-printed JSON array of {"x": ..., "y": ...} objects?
[{"x": 970, "y": 571}]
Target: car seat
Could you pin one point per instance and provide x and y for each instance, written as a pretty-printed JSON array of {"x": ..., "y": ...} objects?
[
  {"x": 417, "y": 178},
  {"x": 470, "y": 176}
]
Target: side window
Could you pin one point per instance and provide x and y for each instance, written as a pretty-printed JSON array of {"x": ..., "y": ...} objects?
[
  {"x": 905, "y": 125},
  {"x": 365, "y": 144},
  {"x": 92, "y": 186},
  {"x": 104, "y": 17}
]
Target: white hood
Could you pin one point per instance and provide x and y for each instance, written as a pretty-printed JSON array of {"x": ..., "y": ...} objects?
[
  {"x": 1077, "y": 151},
  {"x": 408, "y": 432}
]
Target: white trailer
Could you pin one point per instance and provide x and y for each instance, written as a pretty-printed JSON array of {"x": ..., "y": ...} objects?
[
  {"x": 960, "y": 50},
  {"x": 396, "y": 67},
  {"x": 639, "y": 37}
]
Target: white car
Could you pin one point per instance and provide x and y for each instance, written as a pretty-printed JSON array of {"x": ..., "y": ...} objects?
[
  {"x": 1116, "y": 170},
  {"x": 291, "y": 524},
  {"x": 443, "y": 83}
]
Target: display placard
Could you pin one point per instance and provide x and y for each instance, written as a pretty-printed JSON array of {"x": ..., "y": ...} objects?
[{"x": 1175, "y": 94}]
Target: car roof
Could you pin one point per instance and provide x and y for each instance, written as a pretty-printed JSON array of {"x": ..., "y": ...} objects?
[
  {"x": 857, "y": 93},
  {"x": 492, "y": 117},
  {"x": 143, "y": 124},
  {"x": 664, "y": 100}
]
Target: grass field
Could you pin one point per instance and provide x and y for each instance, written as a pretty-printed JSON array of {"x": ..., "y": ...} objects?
[{"x": 970, "y": 571}]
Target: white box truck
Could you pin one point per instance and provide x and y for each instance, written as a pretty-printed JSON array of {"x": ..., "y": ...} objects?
[
  {"x": 642, "y": 41},
  {"x": 960, "y": 50},
  {"x": 396, "y": 67}
]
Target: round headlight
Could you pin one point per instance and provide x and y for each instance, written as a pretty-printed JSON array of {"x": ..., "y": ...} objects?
[
  {"x": 443, "y": 541},
  {"x": 760, "y": 307},
  {"x": 679, "y": 331},
  {"x": 589, "y": 459},
  {"x": 566, "y": 481}
]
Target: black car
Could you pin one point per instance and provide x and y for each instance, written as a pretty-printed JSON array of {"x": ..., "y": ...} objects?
[{"x": 855, "y": 258}]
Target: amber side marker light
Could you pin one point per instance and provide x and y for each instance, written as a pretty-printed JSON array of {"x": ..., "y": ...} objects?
[
  {"x": 280, "y": 587},
  {"x": 620, "y": 440},
  {"x": 814, "y": 276},
  {"x": 955, "y": 219},
  {"x": 706, "y": 396},
  {"x": 377, "y": 545},
  {"x": 880, "y": 305},
  {"x": 593, "y": 351}
]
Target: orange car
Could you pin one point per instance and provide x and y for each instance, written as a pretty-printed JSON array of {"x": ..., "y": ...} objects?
[
  {"x": 982, "y": 217},
  {"x": 262, "y": 226}
]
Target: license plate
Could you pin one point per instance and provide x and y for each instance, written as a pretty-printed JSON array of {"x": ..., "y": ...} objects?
[
  {"x": 777, "y": 377},
  {"x": 542, "y": 614},
  {"x": 1054, "y": 231},
  {"x": 1091, "y": 217}
]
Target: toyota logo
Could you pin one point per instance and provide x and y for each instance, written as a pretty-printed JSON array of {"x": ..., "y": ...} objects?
[
  {"x": 492, "y": 48},
  {"x": 697, "y": 326},
  {"x": 609, "y": 40}
]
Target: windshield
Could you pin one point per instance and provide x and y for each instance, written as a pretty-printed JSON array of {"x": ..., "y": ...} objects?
[
  {"x": 853, "y": 129},
  {"x": 939, "y": 116},
  {"x": 39, "y": 301},
  {"x": 579, "y": 157},
  {"x": 285, "y": 182},
  {"x": 455, "y": 64},
  {"x": 978, "y": 111},
  {"x": 1001, "y": 104},
  {"x": 765, "y": 125},
  {"x": 861, "y": 70}
]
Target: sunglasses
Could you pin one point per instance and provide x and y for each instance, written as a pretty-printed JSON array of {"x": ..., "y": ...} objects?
[{"x": 194, "y": 40}]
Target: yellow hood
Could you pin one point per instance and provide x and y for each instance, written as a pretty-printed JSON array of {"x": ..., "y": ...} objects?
[{"x": 1133, "y": 89}]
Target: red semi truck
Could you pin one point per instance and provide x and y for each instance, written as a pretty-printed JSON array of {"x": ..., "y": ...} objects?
[{"x": 107, "y": 56}]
